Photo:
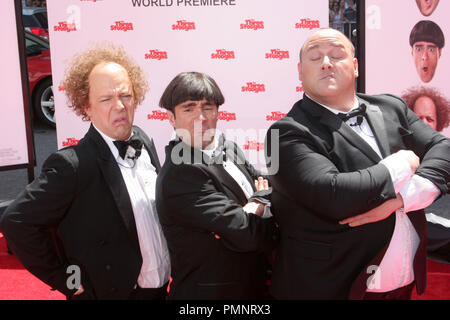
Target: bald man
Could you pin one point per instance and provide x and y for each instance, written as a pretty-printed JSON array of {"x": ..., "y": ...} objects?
[{"x": 355, "y": 173}]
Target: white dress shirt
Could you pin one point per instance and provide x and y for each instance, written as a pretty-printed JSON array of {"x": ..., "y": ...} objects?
[
  {"x": 140, "y": 179},
  {"x": 238, "y": 176},
  {"x": 396, "y": 269}
]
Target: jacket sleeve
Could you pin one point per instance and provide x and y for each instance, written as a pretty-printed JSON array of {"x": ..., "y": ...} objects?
[
  {"x": 193, "y": 201},
  {"x": 254, "y": 174},
  {"x": 28, "y": 222},
  {"x": 308, "y": 177}
]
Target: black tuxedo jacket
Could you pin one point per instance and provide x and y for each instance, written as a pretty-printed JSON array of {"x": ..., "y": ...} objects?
[
  {"x": 327, "y": 173},
  {"x": 195, "y": 198},
  {"x": 81, "y": 199}
]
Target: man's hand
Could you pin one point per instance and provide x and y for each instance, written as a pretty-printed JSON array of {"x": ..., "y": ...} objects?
[
  {"x": 254, "y": 207},
  {"x": 261, "y": 184},
  {"x": 411, "y": 157},
  {"x": 79, "y": 291},
  {"x": 376, "y": 214}
]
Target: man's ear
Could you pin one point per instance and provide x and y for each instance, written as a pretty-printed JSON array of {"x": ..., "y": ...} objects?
[
  {"x": 171, "y": 117},
  {"x": 355, "y": 65},
  {"x": 440, "y": 52},
  {"x": 299, "y": 68},
  {"x": 87, "y": 111}
]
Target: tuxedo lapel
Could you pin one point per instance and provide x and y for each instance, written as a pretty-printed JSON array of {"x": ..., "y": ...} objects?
[
  {"x": 331, "y": 120},
  {"x": 239, "y": 160},
  {"x": 150, "y": 147},
  {"x": 376, "y": 122},
  {"x": 111, "y": 172},
  {"x": 225, "y": 179}
]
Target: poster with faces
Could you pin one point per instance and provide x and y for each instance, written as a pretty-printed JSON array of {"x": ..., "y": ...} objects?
[{"x": 407, "y": 55}]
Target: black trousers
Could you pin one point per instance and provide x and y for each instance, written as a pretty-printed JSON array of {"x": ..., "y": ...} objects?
[
  {"x": 403, "y": 293},
  {"x": 149, "y": 293}
]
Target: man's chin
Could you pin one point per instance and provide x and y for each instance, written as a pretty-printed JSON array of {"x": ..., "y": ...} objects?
[
  {"x": 123, "y": 132},
  {"x": 426, "y": 78}
]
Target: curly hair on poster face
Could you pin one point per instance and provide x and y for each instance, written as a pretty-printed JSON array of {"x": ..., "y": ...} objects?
[
  {"x": 76, "y": 79},
  {"x": 442, "y": 104}
]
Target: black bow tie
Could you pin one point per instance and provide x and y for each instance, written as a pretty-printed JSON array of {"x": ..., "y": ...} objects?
[
  {"x": 359, "y": 113},
  {"x": 133, "y": 142}
]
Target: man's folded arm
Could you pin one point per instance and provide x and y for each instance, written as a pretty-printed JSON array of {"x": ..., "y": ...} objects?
[
  {"x": 312, "y": 180},
  {"x": 194, "y": 201}
]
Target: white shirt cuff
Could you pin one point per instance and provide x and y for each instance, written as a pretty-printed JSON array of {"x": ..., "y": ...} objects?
[{"x": 418, "y": 193}]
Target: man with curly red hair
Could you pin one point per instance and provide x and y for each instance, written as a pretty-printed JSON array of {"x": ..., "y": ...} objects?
[
  {"x": 87, "y": 226},
  {"x": 429, "y": 105}
]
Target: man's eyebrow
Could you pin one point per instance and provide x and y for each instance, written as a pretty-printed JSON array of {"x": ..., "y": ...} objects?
[
  {"x": 314, "y": 46},
  {"x": 188, "y": 104}
]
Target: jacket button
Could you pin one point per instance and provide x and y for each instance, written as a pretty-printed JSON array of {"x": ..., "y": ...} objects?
[{"x": 108, "y": 267}]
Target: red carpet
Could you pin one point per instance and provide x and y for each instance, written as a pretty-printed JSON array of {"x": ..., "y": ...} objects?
[{"x": 18, "y": 284}]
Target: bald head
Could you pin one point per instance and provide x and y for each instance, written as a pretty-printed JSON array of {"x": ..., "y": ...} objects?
[
  {"x": 326, "y": 34},
  {"x": 328, "y": 69}
]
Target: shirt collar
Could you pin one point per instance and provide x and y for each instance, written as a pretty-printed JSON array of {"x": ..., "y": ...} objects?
[
  {"x": 209, "y": 152},
  {"x": 109, "y": 141},
  {"x": 355, "y": 105}
]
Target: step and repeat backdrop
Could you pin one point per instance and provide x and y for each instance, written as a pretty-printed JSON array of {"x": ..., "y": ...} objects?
[
  {"x": 250, "y": 47},
  {"x": 13, "y": 145}
]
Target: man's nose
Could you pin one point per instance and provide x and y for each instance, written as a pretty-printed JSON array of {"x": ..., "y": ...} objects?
[
  {"x": 201, "y": 115},
  {"x": 118, "y": 104},
  {"x": 326, "y": 64}
]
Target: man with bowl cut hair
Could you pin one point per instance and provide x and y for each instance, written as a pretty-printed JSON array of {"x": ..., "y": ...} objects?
[{"x": 426, "y": 41}]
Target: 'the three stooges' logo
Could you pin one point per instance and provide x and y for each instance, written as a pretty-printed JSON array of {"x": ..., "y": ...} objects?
[
  {"x": 222, "y": 54},
  {"x": 275, "y": 116},
  {"x": 254, "y": 87},
  {"x": 183, "y": 25},
  {"x": 307, "y": 24},
  {"x": 251, "y": 24},
  {"x": 65, "y": 26},
  {"x": 227, "y": 116},
  {"x": 157, "y": 115},
  {"x": 156, "y": 55},
  {"x": 70, "y": 142},
  {"x": 277, "y": 54},
  {"x": 253, "y": 145},
  {"x": 122, "y": 26},
  {"x": 162, "y": 115}
]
